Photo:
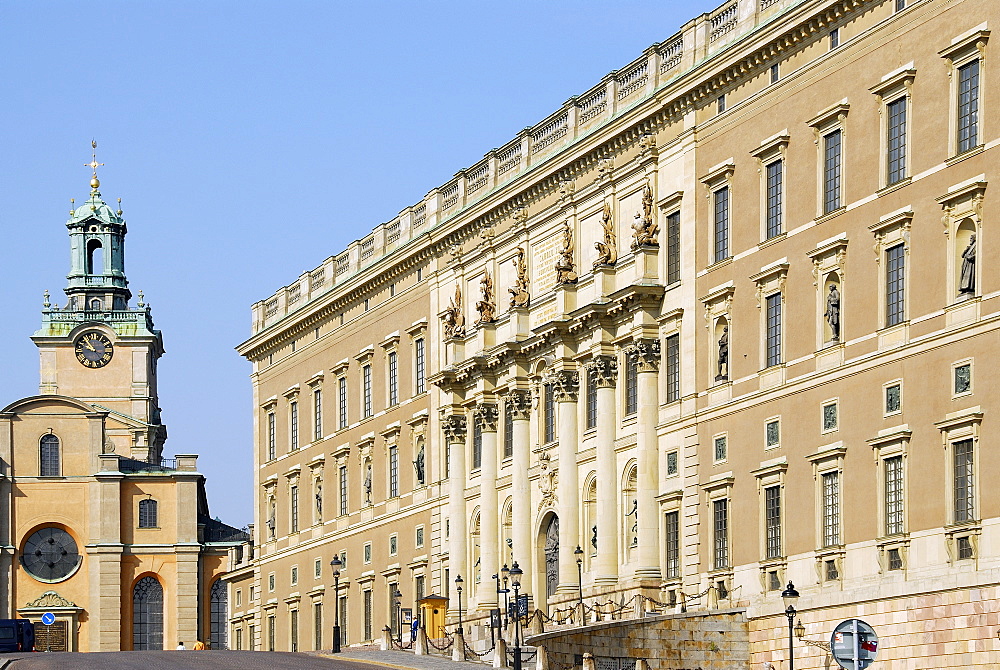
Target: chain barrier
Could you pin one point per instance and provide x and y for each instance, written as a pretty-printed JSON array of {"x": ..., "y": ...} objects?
[
  {"x": 445, "y": 646},
  {"x": 556, "y": 665},
  {"x": 475, "y": 653}
]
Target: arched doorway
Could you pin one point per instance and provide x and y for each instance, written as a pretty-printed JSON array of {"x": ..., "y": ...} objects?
[
  {"x": 147, "y": 615},
  {"x": 219, "y": 616},
  {"x": 551, "y": 549}
]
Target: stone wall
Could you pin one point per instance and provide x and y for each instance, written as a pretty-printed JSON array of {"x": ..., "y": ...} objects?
[{"x": 717, "y": 640}]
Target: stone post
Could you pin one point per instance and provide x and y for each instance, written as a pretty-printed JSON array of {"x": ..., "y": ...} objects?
[
  {"x": 454, "y": 426},
  {"x": 604, "y": 371},
  {"x": 588, "y": 661},
  {"x": 566, "y": 386},
  {"x": 520, "y": 403},
  {"x": 647, "y": 353},
  {"x": 485, "y": 415},
  {"x": 500, "y": 654},
  {"x": 420, "y": 645},
  {"x": 541, "y": 658},
  {"x": 458, "y": 648}
]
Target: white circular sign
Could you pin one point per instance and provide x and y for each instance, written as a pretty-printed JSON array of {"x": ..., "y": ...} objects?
[{"x": 854, "y": 644}]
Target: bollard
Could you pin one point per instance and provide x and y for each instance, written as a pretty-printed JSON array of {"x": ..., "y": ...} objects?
[
  {"x": 641, "y": 664},
  {"x": 581, "y": 614},
  {"x": 458, "y": 649},
  {"x": 535, "y": 627},
  {"x": 588, "y": 661},
  {"x": 541, "y": 659},
  {"x": 386, "y": 643},
  {"x": 500, "y": 654},
  {"x": 420, "y": 646}
]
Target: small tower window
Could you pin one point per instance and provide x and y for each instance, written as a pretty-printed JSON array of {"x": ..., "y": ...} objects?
[
  {"x": 95, "y": 304},
  {"x": 147, "y": 513},
  {"x": 95, "y": 257},
  {"x": 48, "y": 452}
]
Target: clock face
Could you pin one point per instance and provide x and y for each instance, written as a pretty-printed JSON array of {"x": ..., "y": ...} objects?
[
  {"x": 50, "y": 555},
  {"x": 94, "y": 349}
]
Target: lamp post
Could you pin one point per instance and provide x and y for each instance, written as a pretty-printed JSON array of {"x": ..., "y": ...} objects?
[
  {"x": 458, "y": 587},
  {"x": 336, "y": 564},
  {"x": 579, "y": 574},
  {"x": 515, "y": 582},
  {"x": 505, "y": 575},
  {"x": 397, "y": 598},
  {"x": 790, "y": 596}
]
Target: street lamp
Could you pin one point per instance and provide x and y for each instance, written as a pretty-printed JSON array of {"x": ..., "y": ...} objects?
[
  {"x": 505, "y": 574},
  {"x": 397, "y": 598},
  {"x": 336, "y": 564},
  {"x": 579, "y": 574},
  {"x": 458, "y": 587},
  {"x": 790, "y": 596},
  {"x": 515, "y": 581}
]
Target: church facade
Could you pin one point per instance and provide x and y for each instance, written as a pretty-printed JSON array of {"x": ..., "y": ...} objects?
[
  {"x": 96, "y": 527},
  {"x": 719, "y": 324}
]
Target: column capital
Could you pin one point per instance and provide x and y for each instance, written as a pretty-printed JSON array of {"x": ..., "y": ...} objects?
[
  {"x": 565, "y": 385},
  {"x": 519, "y": 402},
  {"x": 646, "y": 352},
  {"x": 603, "y": 370},
  {"x": 485, "y": 415},
  {"x": 454, "y": 426}
]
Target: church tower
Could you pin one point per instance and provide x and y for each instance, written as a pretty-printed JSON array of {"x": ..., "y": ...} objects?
[{"x": 97, "y": 348}]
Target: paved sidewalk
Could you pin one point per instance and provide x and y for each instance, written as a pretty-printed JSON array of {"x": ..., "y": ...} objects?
[{"x": 404, "y": 659}]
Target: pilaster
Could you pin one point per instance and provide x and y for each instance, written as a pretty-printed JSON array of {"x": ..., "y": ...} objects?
[
  {"x": 566, "y": 386},
  {"x": 485, "y": 415},
  {"x": 454, "y": 427},
  {"x": 604, "y": 371}
]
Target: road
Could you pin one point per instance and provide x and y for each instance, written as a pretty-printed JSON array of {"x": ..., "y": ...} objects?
[{"x": 181, "y": 660}]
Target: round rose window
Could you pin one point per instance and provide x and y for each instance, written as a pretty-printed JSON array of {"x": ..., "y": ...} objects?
[{"x": 50, "y": 555}]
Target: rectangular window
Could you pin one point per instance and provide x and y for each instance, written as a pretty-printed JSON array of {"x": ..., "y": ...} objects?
[
  {"x": 830, "y": 420},
  {"x": 294, "y": 502},
  {"x": 896, "y": 140},
  {"x": 295, "y": 575},
  {"x": 477, "y": 445},
  {"x": 834, "y": 38},
  {"x": 721, "y": 201},
  {"x": 893, "y": 495},
  {"x": 893, "y": 399},
  {"x": 968, "y": 106},
  {"x": 631, "y": 384},
  {"x": 293, "y": 419},
  {"x": 393, "y": 612},
  {"x": 342, "y": 603},
  {"x": 774, "y": 329},
  {"x": 831, "y": 171},
  {"x": 772, "y": 434},
  {"x": 270, "y": 582},
  {"x": 270, "y": 632},
  {"x": 672, "y": 464},
  {"x": 419, "y": 365},
  {"x": 317, "y": 569},
  {"x": 393, "y": 379},
  {"x": 318, "y": 626},
  {"x": 343, "y": 490},
  {"x": 393, "y": 472},
  {"x": 419, "y": 587},
  {"x": 271, "y": 437},
  {"x": 673, "y": 546},
  {"x": 720, "y": 516},
  {"x": 591, "y": 400},
  {"x": 393, "y": 545},
  {"x": 239, "y": 639},
  {"x": 368, "y": 553},
  {"x": 550, "y": 414},
  {"x": 831, "y": 509},
  {"x": 900, "y": 5},
  {"x": 368, "y": 615},
  {"x": 772, "y": 521},
  {"x": 342, "y": 401},
  {"x": 720, "y": 104},
  {"x": 965, "y": 509},
  {"x": 774, "y": 74},
  {"x": 895, "y": 559},
  {"x": 318, "y": 414},
  {"x": 775, "y": 176},
  {"x": 895, "y": 266},
  {"x": 508, "y": 430},
  {"x": 420, "y": 536},
  {"x": 673, "y": 247},
  {"x": 963, "y": 378},
  {"x": 673, "y": 351},
  {"x": 366, "y": 390}
]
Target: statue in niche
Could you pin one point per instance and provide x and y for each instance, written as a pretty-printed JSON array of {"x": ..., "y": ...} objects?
[
  {"x": 607, "y": 251},
  {"x": 593, "y": 538},
  {"x": 635, "y": 525},
  {"x": 487, "y": 306},
  {"x": 368, "y": 484},
  {"x": 454, "y": 319},
  {"x": 565, "y": 267},
  {"x": 723, "y": 372},
  {"x": 319, "y": 501},
  {"x": 271, "y": 515},
  {"x": 967, "y": 281},
  {"x": 645, "y": 229},
  {"x": 418, "y": 465},
  {"x": 519, "y": 296},
  {"x": 832, "y": 312},
  {"x": 552, "y": 557}
]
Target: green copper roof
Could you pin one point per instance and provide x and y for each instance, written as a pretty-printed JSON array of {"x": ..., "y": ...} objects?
[{"x": 95, "y": 208}]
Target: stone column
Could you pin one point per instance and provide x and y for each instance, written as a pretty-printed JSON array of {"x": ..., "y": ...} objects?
[
  {"x": 566, "y": 386},
  {"x": 454, "y": 426},
  {"x": 604, "y": 371},
  {"x": 647, "y": 353},
  {"x": 519, "y": 402},
  {"x": 485, "y": 415}
]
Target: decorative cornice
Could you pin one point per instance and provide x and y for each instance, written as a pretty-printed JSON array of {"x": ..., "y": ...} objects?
[{"x": 50, "y": 599}]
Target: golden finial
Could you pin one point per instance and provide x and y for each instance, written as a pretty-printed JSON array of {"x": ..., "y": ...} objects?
[
  {"x": 93, "y": 165},
  {"x": 119, "y": 212},
  {"x": 72, "y": 205}
]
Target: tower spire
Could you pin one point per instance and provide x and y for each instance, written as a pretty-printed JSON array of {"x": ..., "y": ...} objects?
[{"x": 95, "y": 183}]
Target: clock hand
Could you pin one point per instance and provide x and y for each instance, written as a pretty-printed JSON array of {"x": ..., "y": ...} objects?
[{"x": 89, "y": 345}]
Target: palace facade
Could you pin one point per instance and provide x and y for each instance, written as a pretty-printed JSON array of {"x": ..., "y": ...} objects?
[
  {"x": 720, "y": 323},
  {"x": 96, "y": 527}
]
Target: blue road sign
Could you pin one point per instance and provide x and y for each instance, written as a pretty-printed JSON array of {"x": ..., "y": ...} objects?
[{"x": 48, "y": 618}]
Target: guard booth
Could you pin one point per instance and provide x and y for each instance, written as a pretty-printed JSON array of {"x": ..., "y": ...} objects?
[{"x": 433, "y": 613}]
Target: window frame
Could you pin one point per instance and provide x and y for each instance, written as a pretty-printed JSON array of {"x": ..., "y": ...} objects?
[
  {"x": 49, "y": 454},
  {"x": 828, "y": 122},
  {"x": 719, "y": 180},
  {"x": 963, "y": 50},
  {"x": 148, "y": 513},
  {"x": 893, "y": 89}
]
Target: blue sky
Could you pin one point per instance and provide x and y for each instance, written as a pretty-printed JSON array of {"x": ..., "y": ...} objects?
[{"x": 250, "y": 140}]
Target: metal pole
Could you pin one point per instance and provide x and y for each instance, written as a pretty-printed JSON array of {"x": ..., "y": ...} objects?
[
  {"x": 517, "y": 628},
  {"x": 336, "y": 612},
  {"x": 790, "y": 613}
]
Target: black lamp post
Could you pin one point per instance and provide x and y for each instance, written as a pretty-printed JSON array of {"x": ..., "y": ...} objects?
[
  {"x": 505, "y": 575},
  {"x": 458, "y": 587},
  {"x": 397, "y": 598},
  {"x": 515, "y": 582},
  {"x": 790, "y": 596},
  {"x": 336, "y": 564},
  {"x": 579, "y": 574}
]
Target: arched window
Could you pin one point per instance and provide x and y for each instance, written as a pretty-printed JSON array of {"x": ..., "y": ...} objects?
[
  {"x": 48, "y": 456},
  {"x": 219, "y": 608},
  {"x": 147, "y": 615},
  {"x": 95, "y": 305},
  {"x": 147, "y": 513},
  {"x": 95, "y": 257}
]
